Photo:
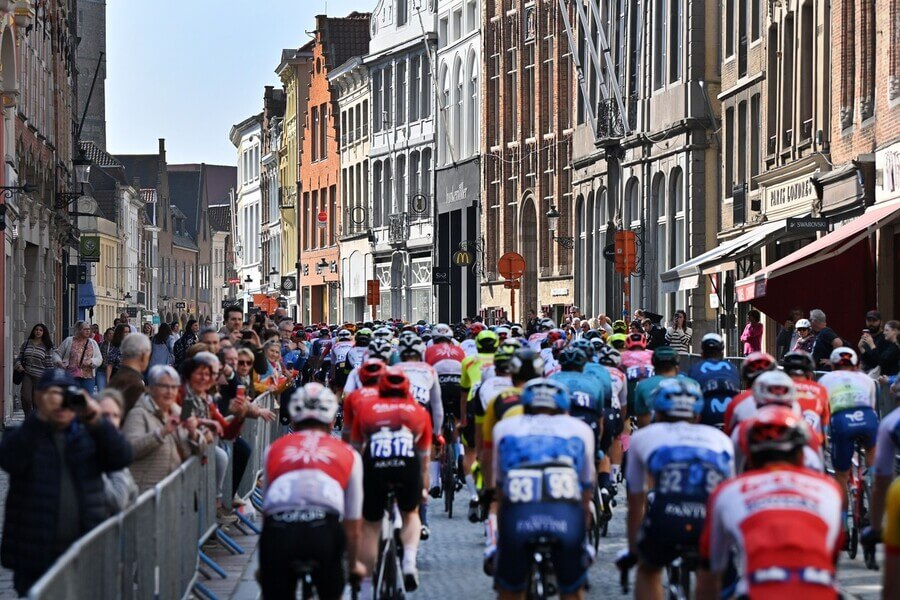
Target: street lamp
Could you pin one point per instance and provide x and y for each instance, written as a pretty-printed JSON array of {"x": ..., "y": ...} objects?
[
  {"x": 552, "y": 224},
  {"x": 82, "y": 167},
  {"x": 273, "y": 272}
]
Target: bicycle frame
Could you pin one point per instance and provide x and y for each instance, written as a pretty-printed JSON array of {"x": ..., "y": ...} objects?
[{"x": 389, "y": 583}]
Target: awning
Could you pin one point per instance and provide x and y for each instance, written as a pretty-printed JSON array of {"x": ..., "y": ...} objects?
[
  {"x": 86, "y": 296},
  {"x": 687, "y": 275},
  {"x": 826, "y": 247}
]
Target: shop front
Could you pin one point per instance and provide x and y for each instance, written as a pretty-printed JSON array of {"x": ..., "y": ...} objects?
[{"x": 459, "y": 244}]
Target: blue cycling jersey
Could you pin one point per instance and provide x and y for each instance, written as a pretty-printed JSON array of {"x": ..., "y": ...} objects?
[
  {"x": 599, "y": 371},
  {"x": 586, "y": 393}
]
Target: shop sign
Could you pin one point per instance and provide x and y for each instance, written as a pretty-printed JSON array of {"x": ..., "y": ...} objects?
[
  {"x": 556, "y": 292},
  {"x": 807, "y": 224},
  {"x": 458, "y": 186},
  {"x": 791, "y": 196}
]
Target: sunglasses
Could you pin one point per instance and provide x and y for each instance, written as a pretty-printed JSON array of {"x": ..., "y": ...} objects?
[
  {"x": 245, "y": 362},
  {"x": 803, "y": 329}
]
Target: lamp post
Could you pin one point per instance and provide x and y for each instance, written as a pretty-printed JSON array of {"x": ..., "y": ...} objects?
[{"x": 552, "y": 224}]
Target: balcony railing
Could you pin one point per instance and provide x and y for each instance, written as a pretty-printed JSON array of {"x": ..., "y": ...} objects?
[
  {"x": 398, "y": 229},
  {"x": 610, "y": 125}
]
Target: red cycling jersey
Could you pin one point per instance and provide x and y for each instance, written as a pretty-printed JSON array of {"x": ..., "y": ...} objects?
[
  {"x": 392, "y": 414},
  {"x": 813, "y": 400},
  {"x": 354, "y": 400},
  {"x": 441, "y": 352},
  {"x": 786, "y": 523},
  {"x": 734, "y": 415}
]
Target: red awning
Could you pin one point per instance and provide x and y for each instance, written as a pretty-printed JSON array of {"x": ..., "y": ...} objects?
[{"x": 832, "y": 245}]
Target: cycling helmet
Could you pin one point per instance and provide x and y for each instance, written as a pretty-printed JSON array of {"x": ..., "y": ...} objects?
[
  {"x": 635, "y": 341},
  {"x": 476, "y": 328},
  {"x": 426, "y": 337},
  {"x": 591, "y": 334},
  {"x": 617, "y": 341},
  {"x": 546, "y": 324},
  {"x": 344, "y": 335},
  {"x": 712, "y": 342},
  {"x": 516, "y": 331},
  {"x": 324, "y": 332},
  {"x": 756, "y": 363},
  {"x": 442, "y": 333},
  {"x": 802, "y": 324},
  {"x": 313, "y": 402},
  {"x": 553, "y": 335},
  {"x": 545, "y": 393},
  {"x": 370, "y": 371},
  {"x": 487, "y": 341},
  {"x": 843, "y": 357},
  {"x": 679, "y": 398},
  {"x": 504, "y": 354},
  {"x": 610, "y": 357},
  {"x": 411, "y": 344},
  {"x": 526, "y": 364},
  {"x": 664, "y": 356},
  {"x": 381, "y": 348},
  {"x": 774, "y": 387},
  {"x": 393, "y": 383},
  {"x": 572, "y": 358},
  {"x": 774, "y": 429},
  {"x": 585, "y": 346},
  {"x": 363, "y": 336},
  {"x": 619, "y": 326},
  {"x": 384, "y": 333},
  {"x": 502, "y": 332},
  {"x": 798, "y": 363},
  {"x": 598, "y": 344}
]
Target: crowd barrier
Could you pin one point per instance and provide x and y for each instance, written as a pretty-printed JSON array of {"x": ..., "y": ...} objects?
[{"x": 151, "y": 550}]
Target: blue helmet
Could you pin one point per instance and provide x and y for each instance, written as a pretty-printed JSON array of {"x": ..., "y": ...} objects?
[
  {"x": 586, "y": 346},
  {"x": 544, "y": 393},
  {"x": 572, "y": 357},
  {"x": 679, "y": 398}
]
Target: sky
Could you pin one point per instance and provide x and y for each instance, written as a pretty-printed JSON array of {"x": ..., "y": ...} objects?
[{"x": 188, "y": 75}]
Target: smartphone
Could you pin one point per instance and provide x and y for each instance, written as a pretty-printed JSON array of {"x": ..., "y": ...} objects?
[
  {"x": 865, "y": 331},
  {"x": 247, "y": 335},
  {"x": 187, "y": 410}
]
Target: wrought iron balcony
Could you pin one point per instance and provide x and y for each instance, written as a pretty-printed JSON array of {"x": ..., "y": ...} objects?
[
  {"x": 610, "y": 123},
  {"x": 398, "y": 229}
]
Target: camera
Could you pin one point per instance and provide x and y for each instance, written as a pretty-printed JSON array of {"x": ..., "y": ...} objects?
[{"x": 73, "y": 398}]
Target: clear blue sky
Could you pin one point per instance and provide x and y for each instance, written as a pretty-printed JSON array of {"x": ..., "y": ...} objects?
[{"x": 188, "y": 70}]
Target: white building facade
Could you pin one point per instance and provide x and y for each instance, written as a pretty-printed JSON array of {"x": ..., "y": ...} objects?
[
  {"x": 247, "y": 209},
  {"x": 401, "y": 156}
]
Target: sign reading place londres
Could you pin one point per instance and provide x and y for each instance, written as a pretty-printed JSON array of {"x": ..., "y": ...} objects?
[{"x": 790, "y": 197}]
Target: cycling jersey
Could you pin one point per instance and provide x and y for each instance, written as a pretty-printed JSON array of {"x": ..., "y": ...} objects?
[
  {"x": 813, "y": 401},
  {"x": 891, "y": 535},
  {"x": 340, "y": 365},
  {"x": 506, "y": 404},
  {"x": 353, "y": 401},
  {"x": 542, "y": 465},
  {"x": 686, "y": 461},
  {"x": 813, "y": 457},
  {"x": 720, "y": 382},
  {"x": 551, "y": 365},
  {"x": 786, "y": 525},
  {"x": 741, "y": 408},
  {"x": 536, "y": 340},
  {"x": 469, "y": 347},
  {"x": 642, "y": 403},
  {"x": 312, "y": 470},
  {"x": 471, "y": 370},
  {"x": 888, "y": 444},
  {"x": 600, "y": 373},
  {"x": 486, "y": 391},
  {"x": 447, "y": 362},
  {"x": 637, "y": 366},
  {"x": 357, "y": 356},
  {"x": 586, "y": 395},
  {"x": 849, "y": 390},
  {"x": 618, "y": 398},
  {"x": 425, "y": 389}
]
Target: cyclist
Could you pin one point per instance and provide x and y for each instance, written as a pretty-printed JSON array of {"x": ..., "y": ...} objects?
[
  {"x": 892, "y": 542},
  {"x": 743, "y": 406},
  {"x": 544, "y": 477},
  {"x": 469, "y": 345},
  {"x": 338, "y": 359},
  {"x": 536, "y": 340},
  {"x": 665, "y": 361},
  {"x": 586, "y": 397},
  {"x": 888, "y": 446},
  {"x": 615, "y": 421},
  {"x": 378, "y": 349},
  {"x": 360, "y": 350},
  {"x": 313, "y": 497},
  {"x": 637, "y": 363},
  {"x": 685, "y": 461},
  {"x": 617, "y": 341},
  {"x": 852, "y": 398},
  {"x": 784, "y": 520},
  {"x": 368, "y": 373},
  {"x": 446, "y": 358},
  {"x": 718, "y": 378},
  {"x": 811, "y": 396},
  {"x": 393, "y": 434},
  {"x": 486, "y": 344},
  {"x": 593, "y": 368},
  {"x": 516, "y": 331}
]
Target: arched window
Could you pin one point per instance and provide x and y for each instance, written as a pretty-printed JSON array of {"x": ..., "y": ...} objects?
[
  {"x": 581, "y": 293},
  {"x": 387, "y": 207},
  {"x": 603, "y": 269},
  {"x": 632, "y": 204},
  {"x": 402, "y": 191},
  {"x": 678, "y": 241},
  {"x": 380, "y": 216},
  {"x": 472, "y": 118},
  {"x": 658, "y": 191},
  {"x": 457, "y": 120},
  {"x": 444, "y": 115},
  {"x": 589, "y": 259}
]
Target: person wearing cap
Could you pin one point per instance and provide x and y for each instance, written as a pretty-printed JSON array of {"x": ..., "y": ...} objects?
[
  {"x": 55, "y": 461},
  {"x": 871, "y": 342}
]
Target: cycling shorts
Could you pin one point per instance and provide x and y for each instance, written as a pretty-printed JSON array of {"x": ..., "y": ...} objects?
[
  {"x": 848, "y": 426},
  {"x": 299, "y": 536},
  {"x": 671, "y": 526},
  {"x": 519, "y": 527},
  {"x": 403, "y": 475},
  {"x": 450, "y": 399},
  {"x": 613, "y": 425},
  {"x": 467, "y": 433}
]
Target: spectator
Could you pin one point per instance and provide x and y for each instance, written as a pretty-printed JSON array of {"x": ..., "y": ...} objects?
[
  {"x": 753, "y": 332},
  {"x": 210, "y": 337},
  {"x": 826, "y": 340},
  {"x": 275, "y": 370},
  {"x": 889, "y": 353},
  {"x": 796, "y": 315},
  {"x": 105, "y": 345},
  {"x": 162, "y": 345},
  {"x": 531, "y": 323},
  {"x": 55, "y": 460},
  {"x": 161, "y": 441},
  {"x": 121, "y": 491},
  {"x": 175, "y": 326},
  {"x": 785, "y": 336},
  {"x": 234, "y": 319},
  {"x": 95, "y": 333},
  {"x": 35, "y": 357},
  {"x": 188, "y": 339},
  {"x": 678, "y": 334},
  {"x": 123, "y": 318},
  {"x": 147, "y": 329},
  {"x": 129, "y": 380},
  {"x": 804, "y": 337},
  {"x": 871, "y": 342},
  {"x": 114, "y": 356},
  {"x": 79, "y": 355}
]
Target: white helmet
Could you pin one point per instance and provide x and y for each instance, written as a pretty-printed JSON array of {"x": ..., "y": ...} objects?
[
  {"x": 774, "y": 387},
  {"x": 843, "y": 357},
  {"x": 313, "y": 402},
  {"x": 802, "y": 324},
  {"x": 442, "y": 331},
  {"x": 384, "y": 333}
]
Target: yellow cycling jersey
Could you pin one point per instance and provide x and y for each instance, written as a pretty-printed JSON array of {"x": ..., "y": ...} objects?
[
  {"x": 891, "y": 533},
  {"x": 505, "y": 404},
  {"x": 471, "y": 369}
]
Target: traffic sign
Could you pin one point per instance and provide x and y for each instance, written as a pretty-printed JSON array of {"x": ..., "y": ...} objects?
[
  {"x": 373, "y": 292},
  {"x": 418, "y": 204},
  {"x": 322, "y": 219},
  {"x": 462, "y": 258},
  {"x": 181, "y": 305},
  {"x": 609, "y": 252},
  {"x": 511, "y": 265},
  {"x": 513, "y": 284}
]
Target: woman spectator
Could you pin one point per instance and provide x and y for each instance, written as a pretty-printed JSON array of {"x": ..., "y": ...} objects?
[
  {"x": 105, "y": 344},
  {"x": 114, "y": 356},
  {"x": 161, "y": 442},
  {"x": 678, "y": 335},
  {"x": 121, "y": 490},
  {"x": 806, "y": 337},
  {"x": 274, "y": 376},
  {"x": 79, "y": 355},
  {"x": 889, "y": 350},
  {"x": 188, "y": 339},
  {"x": 147, "y": 329},
  {"x": 753, "y": 332},
  {"x": 35, "y": 355},
  {"x": 161, "y": 353}
]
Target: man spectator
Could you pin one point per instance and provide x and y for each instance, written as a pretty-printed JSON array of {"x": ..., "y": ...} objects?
[
  {"x": 280, "y": 315},
  {"x": 55, "y": 462},
  {"x": 656, "y": 335},
  {"x": 129, "y": 379},
  {"x": 531, "y": 325},
  {"x": 826, "y": 339},
  {"x": 872, "y": 342},
  {"x": 123, "y": 318},
  {"x": 95, "y": 333},
  {"x": 234, "y": 319},
  {"x": 210, "y": 337},
  {"x": 783, "y": 341}
]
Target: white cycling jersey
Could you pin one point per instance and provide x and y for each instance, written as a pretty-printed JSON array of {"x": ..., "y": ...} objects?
[
  {"x": 425, "y": 388},
  {"x": 489, "y": 389},
  {"x": 848, "y": 390},
  {"x": 468, "y": 346}
]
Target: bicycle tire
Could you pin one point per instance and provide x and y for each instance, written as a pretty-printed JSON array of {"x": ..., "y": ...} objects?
[{"x": 852, "y": 525}]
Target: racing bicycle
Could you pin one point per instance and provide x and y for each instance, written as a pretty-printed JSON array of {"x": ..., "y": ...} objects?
[
  {"x": 541, "y": 572},
  {"x": 858, "y": 497},
  {"x": 388, "y": 582},
  {"x": 449, "y": 464}
]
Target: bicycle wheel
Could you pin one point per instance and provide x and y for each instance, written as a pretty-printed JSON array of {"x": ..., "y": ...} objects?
[
  {"x": 852, "y": 522},
  {"x": 595, "y": 529},
  {"x": 448, "y": 484}
]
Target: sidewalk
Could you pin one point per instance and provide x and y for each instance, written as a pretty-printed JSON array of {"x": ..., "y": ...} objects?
[{"x": 240, "y": 584}]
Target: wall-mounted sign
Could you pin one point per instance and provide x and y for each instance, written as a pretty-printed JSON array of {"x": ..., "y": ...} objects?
[
  {"x": 556, "y": 292},
  {"x": 794, "y": 195},
  {"x": 181, "y": 305},
  {"x": 288, "y": 283},
  {"x": 89, "y": 248},
  {"x": 807, "y": 224},
  {"x": 462, "y": 258}
]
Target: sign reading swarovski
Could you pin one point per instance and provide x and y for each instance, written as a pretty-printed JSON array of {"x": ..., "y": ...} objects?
[{"x": 457, "y": 186}]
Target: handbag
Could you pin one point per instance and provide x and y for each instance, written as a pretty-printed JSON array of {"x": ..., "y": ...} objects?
[{"x": 18, "y": 377}]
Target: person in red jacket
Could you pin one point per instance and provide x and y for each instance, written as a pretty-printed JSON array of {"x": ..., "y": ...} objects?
[{"x": 393, "y": 433}]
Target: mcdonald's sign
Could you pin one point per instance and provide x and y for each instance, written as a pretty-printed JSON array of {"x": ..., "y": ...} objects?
[{"x": 462, "y": 258}]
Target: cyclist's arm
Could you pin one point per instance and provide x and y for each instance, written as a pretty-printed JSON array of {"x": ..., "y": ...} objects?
[
  {"x": 636, "y": 479},
  {"x": 437, "y": 407},
  {"x": 884, "y": 474},
  {"x": 484, "y": 430},
  {"x": 353, "y": 497},
  {"x": 424, "y": 448}
]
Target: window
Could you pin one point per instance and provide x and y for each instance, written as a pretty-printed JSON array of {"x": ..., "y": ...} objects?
[
  {"x": 415, "y": 170},
  {"x": 472, "y": 118},
  {"x": 444, "y": 32},
  {"x": 787, "y": 82},
  {"x": 415, "y": 88},
  {"x": 380, "y": 216},
  {"x": 549, "y": 87},
  {"x": 346, "y": 132},
  {"x": 425, "y": 186},
  {"x": 401, "y": 92},
  {"x": 323, "y": 129},
  {"x": 457, "y": 117},
  {"x": 365, "y": 118},
  {"x": 659, "y": 58},
  {"x": 742, "y": 143},
  {"x": 729, "y": 151},
  {"x": 445, "y": 116},
  {"x": 387, "y": 206},
  {"x": 332, "y": 215},
  {"x": 323, "y": 206},
  {"x": 755, "y": 19},
  {"x": 314, "y": 126},
  {"x": 457, "y": 25},
  {"x": 679, "y": 240},
  {"x": 675, "y": 40},
  {"x": 511, "y": 129},
  {"x": 729, "y": 27},
  {"x": 528, "y": 117},
  {"x": 402, "y": 12},
  {"x": 400, "y": 179},
  {"x": 388, "y": 96},
  {"x": 311, "y": 221},
  {"x": 662, "y": 246},
  {"x": 772, "y": 90},
  {"x": 376, "y": 101},
  {"x": 426, "y": 87},
  {"x": 754, "y": 140},
  {"x": 472, "y": 15}
]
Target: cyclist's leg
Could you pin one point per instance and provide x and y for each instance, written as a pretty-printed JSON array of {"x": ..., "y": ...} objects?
[
  {"x": 330, "y": 546},
  {"x": 842, "y": 449},
  {"x": 648, "y": 582},
  {"x": 409, "y": 495},
  {"x": 277, "y": 552}
]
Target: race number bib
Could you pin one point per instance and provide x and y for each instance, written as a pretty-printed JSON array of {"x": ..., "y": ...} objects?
[
  {"x": 392, "y": 444},
  {"x": 553, "y": 484},
  {"x": 421, "y": 395},
  {"x": 694, "y": 479},
  {"x": 581, "y": 400}
]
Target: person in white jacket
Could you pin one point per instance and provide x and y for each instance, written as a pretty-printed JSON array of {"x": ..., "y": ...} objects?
[{"x": 80, "y": 356}]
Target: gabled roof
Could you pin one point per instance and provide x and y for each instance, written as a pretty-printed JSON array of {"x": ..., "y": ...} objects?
[
  {"x": 184, "y": 194},
  {"x": 220, "y": 217},
  {"x": 142, "y": 166},
  {"x": 98, "y": 156},
  {"x": 344, "y": 37},
  {"x": 184, "y": 242}
]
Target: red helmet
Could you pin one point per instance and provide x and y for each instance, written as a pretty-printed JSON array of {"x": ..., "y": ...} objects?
[
  {"x": 370, "y": 372},
  {"x": 756, "y": 363},
  {"x": 776, "y": 429},
  {"x": 635, "y": 340},
  {"x": 393, "y": 383},
  {"x": 476, "y": 328}
]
